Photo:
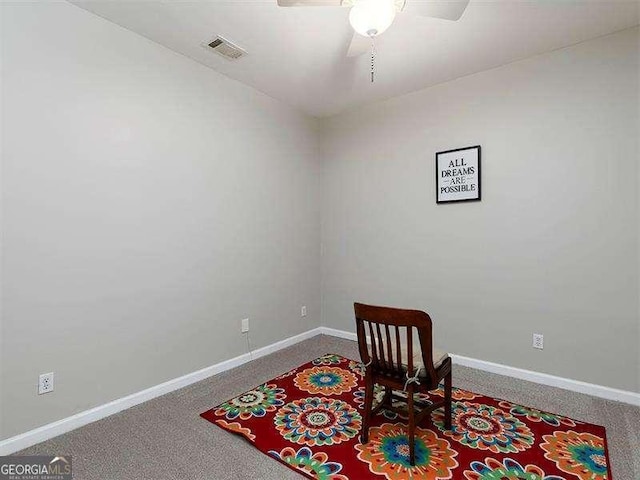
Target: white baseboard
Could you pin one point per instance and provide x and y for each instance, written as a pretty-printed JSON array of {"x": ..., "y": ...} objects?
[
  {"x": 65, "y": 425},
  {"x": 531, "y": 376},
  {"x": 551, "y": 380},
  {"x": 338, "y": 333}
]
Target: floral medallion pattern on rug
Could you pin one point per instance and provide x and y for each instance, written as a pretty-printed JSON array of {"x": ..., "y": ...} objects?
[
  {"x": 237, "y": 428},
  {"x": 580, "y": 454},
  {"x": 485, "y": 427},
  {"x": 357, "y": 368},
  {"x": 387, "y": 453},
  {"x": 310, "y": 419},
  {"x": 254, "y": 403},
  {"x": 286, "y": 374},
  {"x": 325, "y": 380},
  {"x": 456, "y": 393},
  {"x": 536, "y": 415},
  {"x": 358, "y": 396},
  {"x": 492, "y": 469},
  {"x": 318, "y": 421},
  {"x": 329, "y": 359},
  {"x": 305, "y": 460},
  {"x": 389, "y": 415}
]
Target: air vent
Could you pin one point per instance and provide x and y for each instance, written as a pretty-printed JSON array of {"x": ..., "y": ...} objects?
[{"x": 226, "y": 49}]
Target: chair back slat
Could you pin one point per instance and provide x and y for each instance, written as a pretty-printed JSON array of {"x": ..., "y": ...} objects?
[
  {"x": 410, "y": 351},
  {"x": 389, "y": 350},
  {"x": 380, "y": 342},
  {"x": 398, "y": 348},
  {"x": 374, "y": 348}
]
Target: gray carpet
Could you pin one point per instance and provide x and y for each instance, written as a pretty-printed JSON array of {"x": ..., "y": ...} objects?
[{"x": 166, "y": 439}]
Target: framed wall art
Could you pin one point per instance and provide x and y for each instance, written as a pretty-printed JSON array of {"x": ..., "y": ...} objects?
[{"x": 458, "y": 175}]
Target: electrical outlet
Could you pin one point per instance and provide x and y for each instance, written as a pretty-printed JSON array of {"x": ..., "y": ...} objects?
[
  {"x": 45, "y": 383},
  {"x": 538, "y": 341},
  {"x": 303, "y": 311},
  {"x": 244, "y": 327}
]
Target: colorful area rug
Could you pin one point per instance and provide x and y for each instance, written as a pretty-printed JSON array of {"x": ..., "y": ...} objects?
[{"x": 310, "y": 419}]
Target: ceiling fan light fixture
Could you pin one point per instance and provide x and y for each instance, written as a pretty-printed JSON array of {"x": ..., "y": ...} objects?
[{"x": 370, "y": 18}]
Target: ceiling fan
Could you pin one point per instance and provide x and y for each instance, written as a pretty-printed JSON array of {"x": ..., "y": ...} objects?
[{"x": 370, "y": 18}]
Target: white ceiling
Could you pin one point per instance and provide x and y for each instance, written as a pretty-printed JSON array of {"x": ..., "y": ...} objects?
[{"x": 297, "y": 54}]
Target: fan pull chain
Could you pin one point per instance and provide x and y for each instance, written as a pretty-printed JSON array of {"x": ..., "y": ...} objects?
[{"x": 373, "y": 59}]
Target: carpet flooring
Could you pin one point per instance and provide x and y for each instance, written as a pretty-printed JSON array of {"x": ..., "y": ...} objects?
[{"x": 166, "y": 438}]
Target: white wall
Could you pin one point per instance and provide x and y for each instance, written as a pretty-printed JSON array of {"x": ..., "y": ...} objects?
[
  {"x": 551, "y": 248},
  {"x": 149, "y": 204}
]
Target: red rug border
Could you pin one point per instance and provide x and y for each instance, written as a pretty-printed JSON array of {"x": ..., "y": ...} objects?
[
  {"x": 606, "y": 452},
  {"x": 301, "y": 472}
]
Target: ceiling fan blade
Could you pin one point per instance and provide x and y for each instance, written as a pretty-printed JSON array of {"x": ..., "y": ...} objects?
[
  {"x": 309, "y": 3},
  {"x": 447, "y": 10},
  {"x": 358, "y": 45}
]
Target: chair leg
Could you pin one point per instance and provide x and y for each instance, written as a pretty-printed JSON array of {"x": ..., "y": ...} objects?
[
  {"x": 412, "y": 425},
  {"x": 368, "y": 405},
  {"x": 447, "y": 401},
  {"x": 386, "y": 400}
]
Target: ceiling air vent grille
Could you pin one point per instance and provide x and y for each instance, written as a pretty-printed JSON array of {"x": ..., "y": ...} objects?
[{"x": 226, "y": 49}]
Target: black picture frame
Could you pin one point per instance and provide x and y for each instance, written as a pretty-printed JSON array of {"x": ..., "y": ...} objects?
[{"x": 473, "y": 180}]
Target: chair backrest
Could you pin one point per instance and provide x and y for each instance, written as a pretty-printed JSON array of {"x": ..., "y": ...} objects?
[{"x": 382, "y": 332}]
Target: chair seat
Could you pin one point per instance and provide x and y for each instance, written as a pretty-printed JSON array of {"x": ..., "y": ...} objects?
[{"x": 438, "y": 357}]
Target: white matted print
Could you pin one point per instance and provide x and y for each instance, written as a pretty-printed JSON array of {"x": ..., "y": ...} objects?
[{"x": 458, "y": 175}]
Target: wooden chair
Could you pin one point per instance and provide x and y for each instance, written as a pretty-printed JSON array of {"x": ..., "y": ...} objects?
[{"x": 390, "y": 361}]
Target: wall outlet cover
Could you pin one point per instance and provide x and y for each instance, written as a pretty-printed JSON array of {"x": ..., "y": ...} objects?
[
  {"x": 45, "y": 383},
  {"x": 244, "y": 326},
  {"x": 303, "y": 311},
  {"x": 538, "y": 341}
]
